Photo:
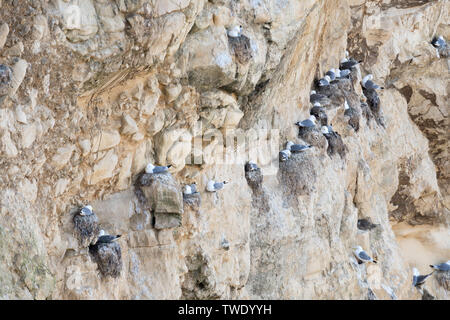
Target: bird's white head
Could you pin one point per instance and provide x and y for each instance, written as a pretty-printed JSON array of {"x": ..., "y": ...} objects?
[
  {"x": 337, "y": 72},
  {"x": 89, "y": 207},
  {"x": 324, "y": 130},
  {"x": 313, "y": 92},
  {"x": 367, "y": 78},
  {"x": 149, "y": 168},
  {"x": 289, "y": 144},
  {"x": 441, "y": 38},
  {"x": 187, "y": 189},
  {"x": 317, "y": 104},
  {"x": 327, "y": 78},
  {"x": 346, "y": 106},
  {"x": 313, "y": 119},
  {"x": 415, "y": 271},
  {"x": 347, "y": 54},
  {"x": 357, "y": 248},
  {"x": 344, "y": 60},
  {"x": 101, "y": 233}
]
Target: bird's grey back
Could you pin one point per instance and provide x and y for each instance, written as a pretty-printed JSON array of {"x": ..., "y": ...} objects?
[
  {"x": 363, "y": 255},
  {"x": 160, "y": 169},
  {"x": 307, "y": 123},
  {"x": 218, "y": 185},
  {"x": 298, "y": 147}
]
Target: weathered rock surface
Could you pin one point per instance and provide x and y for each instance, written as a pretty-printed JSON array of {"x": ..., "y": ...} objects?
[{"x": 87, "y": 100}]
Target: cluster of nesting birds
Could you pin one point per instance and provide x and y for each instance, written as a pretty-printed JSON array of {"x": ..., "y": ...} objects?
[
  {"x": 211, "y": 186},
  {"x": 317, "y": 113}
]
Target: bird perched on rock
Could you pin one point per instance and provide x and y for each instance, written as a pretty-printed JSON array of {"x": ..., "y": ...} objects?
[
  {"x": 284, "y": 155},
  {"x": 349, "y": 63},
  {"x": 106, "y": 238},
  {"x": 190, "y": 188},
  {"x": 235, "y": 31},
  {"x": 86, "y": 211},
  {"x": 325, "y": 81},
  {"x": 332, "y": 74},
  {"x": 368, "y": 84},
  {"x": 296, "y": 148},
  {"x": 362, "y": 256},
  {"x": 445, "y": 266},
  {"x": 418, "y": 279},
  {"x": 214, "y": 186},
  {"x": 442, "y": 48},
  {"x": 343, "y": 73},
  {"x": 150, "y": 168},
  {"x": 225, "y": 244},
  {"x": 250, "y": 166},
  {"x": 439, "y": 42},
  {"x": 308, "y": 123},
  {"x": 321, "y": 99}
]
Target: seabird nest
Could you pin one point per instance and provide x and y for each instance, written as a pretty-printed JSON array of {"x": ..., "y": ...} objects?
[
  {"x": 108, "y": 257},
  {"x": 86, "y": 229},
  {"x": 298, "y": 174}
]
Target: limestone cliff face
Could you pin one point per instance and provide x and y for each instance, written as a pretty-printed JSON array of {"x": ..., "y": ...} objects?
[{"x": 93, "y": 90}]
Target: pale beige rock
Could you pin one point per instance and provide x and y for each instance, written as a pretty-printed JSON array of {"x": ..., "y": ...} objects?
[
  {"x": 85, "y": 145},
  {"x": 4, "y": 31},
  {"x": 28, "y": 135},
  {"x": 104, "y": 168},
  {"x": 19, "y": 70},
  {"x": 129, "y": 126},
  {"x": 8, "y": 145},
  {"x": 63, "y": 155},
  {"x": 105, "y": 140}
]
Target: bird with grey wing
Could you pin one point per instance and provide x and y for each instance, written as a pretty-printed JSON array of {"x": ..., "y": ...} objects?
[
  {"x": 419, "y": 279},
  {"x": 250, "y": 166},
  {"x": 86, "y": 211},
  {"x": 214, "y": 186},
  {"x": 308, "y": 123},
  {"x": 296, "y": 148},
  {"x": 362, "y": 256},
  {"x": 368, "y": 83},
  {"x": 190, "y": 189},
  {"x": 150, "y": 168},
  {"x": 445, "y": 266},
  {"x": 106, "y": 238}
]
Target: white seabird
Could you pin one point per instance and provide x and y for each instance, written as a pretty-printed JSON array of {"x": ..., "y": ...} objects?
[
  {"x": 190, "y": 189},
  {"x": 332, "y": 74},
  {"x": 348, "y": 63},
  {"x": 439, "y": 42},
  {"x": 251, "y": 166},
  {"x": 295, "y": 148},
  {"x": 308, "y": 123},
  {"x": 106, "y": 238},
  {"x": 284, "y": 154},
  {"x": 362, "y": 256},
  {"x": 369, "y": 84},
  {"x": 325, "y": 81},
  {"x": 325, "y": 130},
  {"x": 344, "y": 73},
  {"x": 418, "y": 279},
  {"x": 235, "y": 31},
  {"x": 214, "y": 186},
  {"x": 86, "y": 211},
  {"x": 150, "y": 168},
  {"x": 445, "y": 266}
]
